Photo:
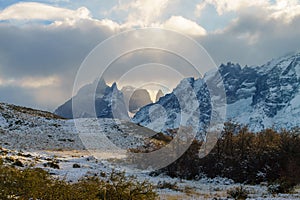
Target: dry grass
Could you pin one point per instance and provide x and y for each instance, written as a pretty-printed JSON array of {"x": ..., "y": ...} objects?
[{"x": 33, "y": 112}]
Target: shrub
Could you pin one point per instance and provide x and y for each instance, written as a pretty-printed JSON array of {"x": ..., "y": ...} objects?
[
  {"x": 118, "y": 186},
  {"x": 18, "y": 163},
  {"x": 75, "y": 165},
  {"x": 238, "y": 193},
  {"x": 167, "y": 185},
  {"x": 51, "y": 165},
  {"x": 281, "y": 186},
  {"x": 38, "y": 184}
]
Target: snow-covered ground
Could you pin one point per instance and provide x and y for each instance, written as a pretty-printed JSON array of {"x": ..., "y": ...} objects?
[
  {"x": 77, "y": 164},
  {"x": 59, "y": 146},
  {"x": 25, "y": 131}
]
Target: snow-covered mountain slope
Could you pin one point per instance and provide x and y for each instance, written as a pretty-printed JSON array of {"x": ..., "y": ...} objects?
[
  {"x": 104, "y": 102},
  {"x": 258, "y": 96},
  {"x": 172, "y": 110},
  {"x": 28, "y": 129}
]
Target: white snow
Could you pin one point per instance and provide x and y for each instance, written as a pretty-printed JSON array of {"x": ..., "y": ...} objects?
[
  {"x": 37, "y": 149},
  {"x": 3, "y": 122},
  {"x": 297, "y": 69},
  {"x": 246, "y": 90},
  {"x": 289, "y": 116},
  {"x": 238, "y": 110},
  {"x": 204, "y": 188}
]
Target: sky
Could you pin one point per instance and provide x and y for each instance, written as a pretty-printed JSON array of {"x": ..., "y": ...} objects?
[{"x": 43, "y": 43}]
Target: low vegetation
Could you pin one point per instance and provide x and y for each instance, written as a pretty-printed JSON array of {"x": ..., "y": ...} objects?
[
  {"x": 238, "y": 193},
  {"x": 38, "y": 184},
  {"x": 33, "y": 112}
]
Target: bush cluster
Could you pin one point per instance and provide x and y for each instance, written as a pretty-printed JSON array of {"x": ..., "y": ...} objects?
[
  {"x": 245, "y": 157},
  {"x": 238, "y": 193},
  {"x": 38, "y": 184}
]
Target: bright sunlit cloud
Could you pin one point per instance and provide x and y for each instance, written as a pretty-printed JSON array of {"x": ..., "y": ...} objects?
[
  {"x": 280, "y": 9},
  {"x": 285, "y": 9},
  {"x": 185, "y": 26},
  {"x": 141, "y": 12},
  {"x": 31, "y": 82},
  {"x": 39, "y": 11}
]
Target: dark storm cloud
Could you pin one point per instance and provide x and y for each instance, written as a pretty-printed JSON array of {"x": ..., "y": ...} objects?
[
  {"x": 42, "y": 51},
  {"x": 14, "y": 95}
]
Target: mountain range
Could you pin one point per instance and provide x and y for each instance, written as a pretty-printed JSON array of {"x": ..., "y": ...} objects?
[
  {"x": 107, "y": 99},
  {"x": 257, "y": 96},
  {"x": 110, "y": 102}
]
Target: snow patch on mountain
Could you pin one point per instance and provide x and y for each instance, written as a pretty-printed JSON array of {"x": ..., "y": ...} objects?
[{"x": 3, "y": 122}]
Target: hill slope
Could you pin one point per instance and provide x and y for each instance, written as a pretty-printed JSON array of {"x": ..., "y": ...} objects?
[{"x": 28, "y": 129}]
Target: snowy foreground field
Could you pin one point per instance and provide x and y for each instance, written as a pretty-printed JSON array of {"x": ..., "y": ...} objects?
[
  {"x": 73, "y": 165},
  {"x": 35, "y": 140}
]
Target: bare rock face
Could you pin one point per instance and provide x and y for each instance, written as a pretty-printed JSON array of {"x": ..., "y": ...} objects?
[
  {"x": 158, "y": 95},
  {"x": 138, "y": 99},
  {"x": 127, "y": 92}
]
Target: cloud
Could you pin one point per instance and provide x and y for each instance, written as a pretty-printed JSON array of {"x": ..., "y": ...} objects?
[
  {"x": 31, "y": 82},
  {"x": 185, "y": 26},
  {"x": 223, "y": 6},
  {"x": 142, "y": 12},
  {"x": 45, "y": 98},
  {"x": 45, "y": 50},
  {"x": 149, "y": 13},
  {"x": 199, "y": 8},
  {"x": 57, "y": 16},
  {"x": 253, "y": 39},
  {"x": 285, "y": 9},
  {"x": 280, "y": 9},
  {"x": 42, "y": 60},
  {"x": 156, "y": 13},
  {"x": 14, "y": 95},
  {"x": 258, "y": 31},
  {"x": 39, "y": 11}
]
